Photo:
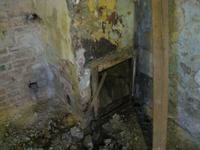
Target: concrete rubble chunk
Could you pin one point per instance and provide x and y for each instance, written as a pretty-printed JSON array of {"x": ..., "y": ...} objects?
[
  {"x": 76, "y": 132},
  {"x": 103, "y": 148},
  {"x": 107, "y": 141},
  {"x": 88, "y": 142}
]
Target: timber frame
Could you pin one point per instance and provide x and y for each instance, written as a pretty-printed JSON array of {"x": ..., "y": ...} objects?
[
  {"x": 160, "y": 74},
  {"x": 107, "y": 62}
]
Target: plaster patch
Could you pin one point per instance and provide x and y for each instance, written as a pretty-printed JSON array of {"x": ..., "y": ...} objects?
[
  {"x": 85, "y": 79},
  {"x": 38, "y": 65},
  {"x": 199, "y": 89},
  {"x": 197, "y": 77},
  {"x": 80, "y": 59},
  {"x": 109, "y": 4},
  {"x": 91, "y": 4}
]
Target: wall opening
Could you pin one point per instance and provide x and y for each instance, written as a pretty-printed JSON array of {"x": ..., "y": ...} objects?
[{"x": 116, "y": 88}]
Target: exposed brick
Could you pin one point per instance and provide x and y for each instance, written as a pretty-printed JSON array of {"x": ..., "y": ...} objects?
[
  {"x": 20, "y": 7},
  {"x": 4, "y": 104},
  {"x": 24, "y": 97},
  {"x": 17, "y": 13},
  {"x": 15, "y": 72},
  {"x": 24, "y": 89},
  {"x": 28, "y": 74},
  {"x": 6, "y": 41},
  {"x": 13, "y": 49},
  {"x": 5, "y": 67},
  {"x": 3, "y": 51},
  {"x": 20, "y": 30},
  {"x": 19, "y": 21},
  {"x": 35, "y": 66},
  {"x": 12, "y": 23},
  {"x": 5, "y": 79},
  {"x": 2, "y": 91},
  {"x": 2, "y": 98},
  {"x": 6, "y": 24},
  {"x": 16, "y": 31},
  {"x": 41, "y": 95},
  {"x": 8, "y": 58},
  {"x": 10, "y": 108},
  {"x": 30, "y": 60},
  {"x": 23, "y": 54},
  {"x": 12, "y": 14},
  {"x": 2, "y": 68},
  {"x": 14, "y": 93},
  {"x": 13, "y": 100},
  {"x": 8, "y": 66},
  {"x": 18, "y": 63},
  {"x": 14, "y": 86},
  {"x": 19, "y": 104}
]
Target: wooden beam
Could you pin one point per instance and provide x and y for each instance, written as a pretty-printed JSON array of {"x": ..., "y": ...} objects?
[
  {"x": 160, "y": 73},
  {"x": 96, "y": 94},
  {"x": 94, "y": 88}
]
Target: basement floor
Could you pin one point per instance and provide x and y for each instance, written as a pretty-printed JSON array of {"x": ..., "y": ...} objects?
[{"x": 48, "y": 126}]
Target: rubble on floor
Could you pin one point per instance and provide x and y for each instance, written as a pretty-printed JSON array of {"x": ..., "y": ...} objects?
[{"x": 55, "y": 129}]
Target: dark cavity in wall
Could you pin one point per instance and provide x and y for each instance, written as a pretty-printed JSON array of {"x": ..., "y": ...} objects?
[
  {"x": 98, "y": 49},
  {"x": 116, "y": 88}
]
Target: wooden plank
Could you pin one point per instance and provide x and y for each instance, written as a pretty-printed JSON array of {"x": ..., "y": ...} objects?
[
  {"x": 132, "y": 76},
  {"x": 160, "y": 73},
  {"x": 94, "y": 88},
  {"x": 112, "y": 59},
  {"x": 94, "y": 99}
]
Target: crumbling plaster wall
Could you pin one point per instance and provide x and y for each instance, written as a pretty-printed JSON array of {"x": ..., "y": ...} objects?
[
  {"x": 184, "y": 34},
  {"x": 75, "y": 33}
]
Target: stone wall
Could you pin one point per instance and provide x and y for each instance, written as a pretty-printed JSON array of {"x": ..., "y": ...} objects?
[
  {"x": 184, "y": 60},
  {"x": 22, "y": 59}
]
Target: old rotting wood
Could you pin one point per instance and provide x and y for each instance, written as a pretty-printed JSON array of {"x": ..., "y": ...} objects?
[
  {"x": 94, "y": 88},
  {"x": 94, "y": 99},
  {"x": 114, "y": 59},
  {"x": 160, "y": 74},
  {"x": 132, "y": 76}
]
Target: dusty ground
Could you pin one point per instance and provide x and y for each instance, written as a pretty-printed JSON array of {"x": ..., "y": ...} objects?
[{"x": 48, "y": 126}]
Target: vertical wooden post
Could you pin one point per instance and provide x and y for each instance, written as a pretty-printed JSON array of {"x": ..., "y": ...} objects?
[
  {"x": 94, "y": 88},
  {"x": 160, "y": 73}
]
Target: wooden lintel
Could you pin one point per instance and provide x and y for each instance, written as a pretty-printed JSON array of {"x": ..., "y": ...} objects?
[
  {"x": 112, "y": 59},
  {"x": 160, "y": 73}
]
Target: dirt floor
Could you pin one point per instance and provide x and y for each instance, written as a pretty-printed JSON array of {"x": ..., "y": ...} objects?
[{"x": 48, "y": 126}]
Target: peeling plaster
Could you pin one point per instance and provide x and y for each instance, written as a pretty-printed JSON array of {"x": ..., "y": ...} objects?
[{"x": 197, "y": 77}]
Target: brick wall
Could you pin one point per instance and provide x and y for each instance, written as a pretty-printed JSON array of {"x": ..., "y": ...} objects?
[
  {"x": 68, "y": 90},
  {"x": 22, "y": 58}
]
